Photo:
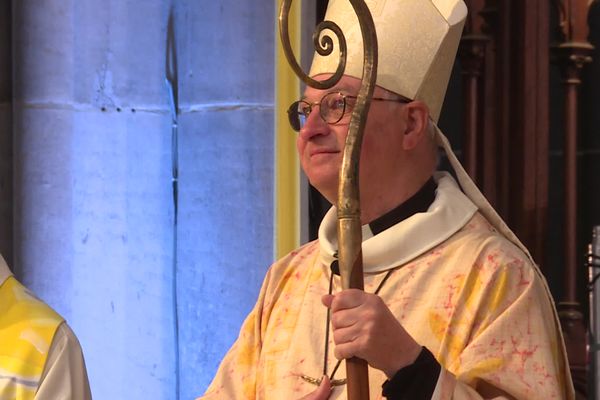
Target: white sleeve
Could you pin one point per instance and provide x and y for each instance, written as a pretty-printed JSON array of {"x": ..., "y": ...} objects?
[{"x": 64, "y": 376}]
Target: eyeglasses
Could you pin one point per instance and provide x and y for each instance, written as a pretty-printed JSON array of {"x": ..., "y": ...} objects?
[{"x": 332, "y": 108}]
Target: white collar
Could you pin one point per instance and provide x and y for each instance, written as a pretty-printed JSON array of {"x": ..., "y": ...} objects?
[{"x": 410, "y": 238}]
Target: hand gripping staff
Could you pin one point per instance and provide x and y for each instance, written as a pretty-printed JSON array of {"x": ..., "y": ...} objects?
[{"x": 348, "y": 203}]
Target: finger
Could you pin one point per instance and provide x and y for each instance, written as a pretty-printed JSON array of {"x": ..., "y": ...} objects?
[
  {"x": 347, "y": 299},
  {"x": 344, "y": 318},
  {"x": 325, "y": 385},
  {"x": 322, "y": 392},
  {"x": 345, "y": 335},
  {"x": 346, "y": 350},
  {"x": 326, "y": 300}
]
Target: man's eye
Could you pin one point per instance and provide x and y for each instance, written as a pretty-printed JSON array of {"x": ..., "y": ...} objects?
[
  {"x": 305, "y": 110},
  {"x": 350, "y": 102},
  {"x": 336, "y": 104}
]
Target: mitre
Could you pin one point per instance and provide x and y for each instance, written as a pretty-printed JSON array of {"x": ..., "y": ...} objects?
[{"x": 417, "y": 42}]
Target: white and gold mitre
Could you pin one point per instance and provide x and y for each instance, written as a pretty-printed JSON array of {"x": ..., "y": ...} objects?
[{"x": 417, "y": 41}]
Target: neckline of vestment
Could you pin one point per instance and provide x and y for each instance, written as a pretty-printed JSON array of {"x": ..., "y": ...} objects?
[
  {"x": 417, "y": 203},
  {"x": 409, "y": 238}
]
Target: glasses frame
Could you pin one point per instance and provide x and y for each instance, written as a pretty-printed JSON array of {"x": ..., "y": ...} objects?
[{"x": 294, "y": 114}]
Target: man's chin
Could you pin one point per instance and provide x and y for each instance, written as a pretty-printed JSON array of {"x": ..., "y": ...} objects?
[{"x": 326, "y": 184}]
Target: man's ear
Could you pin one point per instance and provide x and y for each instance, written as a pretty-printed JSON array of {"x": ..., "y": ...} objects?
[{"x": 417, "y": 115}]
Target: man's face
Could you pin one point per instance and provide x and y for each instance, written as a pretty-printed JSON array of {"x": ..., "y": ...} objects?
[{"x": 321, "y": 145}]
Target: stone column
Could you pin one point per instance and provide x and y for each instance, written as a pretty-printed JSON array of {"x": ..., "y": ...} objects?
[
  {"x": 94, "y": 203},
  {"x": 226, "y": 65},
  {"x": 93, "y": 208}
]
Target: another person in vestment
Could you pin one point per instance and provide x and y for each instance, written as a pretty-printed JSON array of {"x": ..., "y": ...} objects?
[
  {"x": 40, "y": 357},
  {"x": 453, "y": 307}
]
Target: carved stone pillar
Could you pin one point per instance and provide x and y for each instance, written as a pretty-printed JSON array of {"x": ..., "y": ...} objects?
[{"x": 571, "y": 54}]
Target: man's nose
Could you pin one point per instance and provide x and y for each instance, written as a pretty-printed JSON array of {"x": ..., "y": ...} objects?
[{"x": 314, "y": 125}]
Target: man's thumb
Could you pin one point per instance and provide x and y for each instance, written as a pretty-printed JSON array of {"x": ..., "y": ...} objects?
[{"x": 324, "y": 390}]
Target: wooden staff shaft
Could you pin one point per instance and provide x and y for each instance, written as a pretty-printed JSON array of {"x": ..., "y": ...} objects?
[
  {"x": 349, "y": 222},
  {"x": 357, "y": 369}
]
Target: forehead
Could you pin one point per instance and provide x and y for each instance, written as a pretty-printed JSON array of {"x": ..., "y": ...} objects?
[{"x": 347, "y": 84}]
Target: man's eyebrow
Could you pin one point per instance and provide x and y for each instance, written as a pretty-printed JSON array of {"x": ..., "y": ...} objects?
[
  {"x": 338, "y": 89},
  {"x": 343, "y": 89}
]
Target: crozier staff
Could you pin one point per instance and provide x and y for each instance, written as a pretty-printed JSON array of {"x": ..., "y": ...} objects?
[{"x": 454, "y": 307}]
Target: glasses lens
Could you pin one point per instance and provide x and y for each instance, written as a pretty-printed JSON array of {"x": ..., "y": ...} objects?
[
  {"x": 333, "y": 106},
  {"x": 292, "y": 113},
  {"x": 297, "y": 114}
]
